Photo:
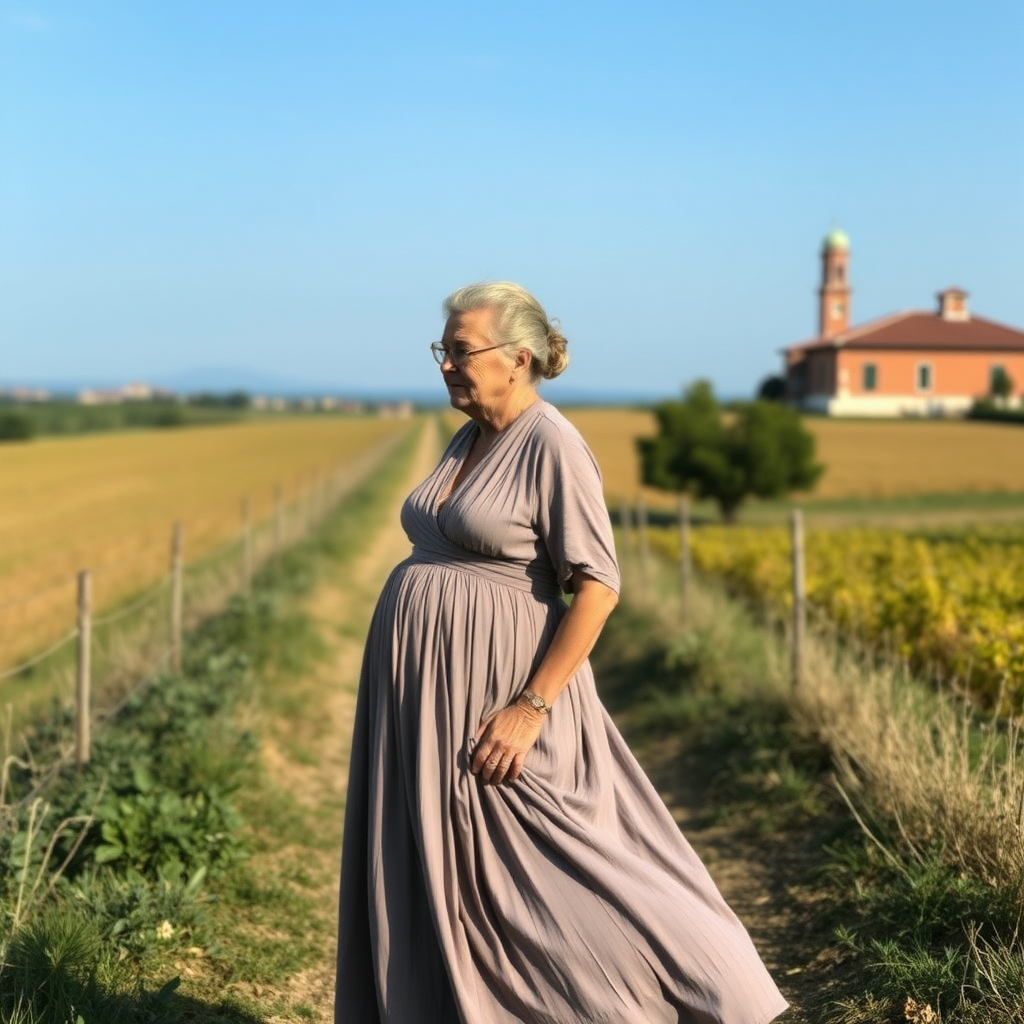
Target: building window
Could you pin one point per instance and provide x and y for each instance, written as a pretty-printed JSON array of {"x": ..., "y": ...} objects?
[
  {"x": 870, "y": 376},
  {"x": 924, "y": 376}
]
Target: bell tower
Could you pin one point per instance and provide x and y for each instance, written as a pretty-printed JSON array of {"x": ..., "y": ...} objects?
[{"x": 834, "y": 293}]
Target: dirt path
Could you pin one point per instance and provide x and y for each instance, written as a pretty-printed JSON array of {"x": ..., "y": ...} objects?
[
  {"x": 316, "y": 772},
  {"x": 763, "y": 877}
]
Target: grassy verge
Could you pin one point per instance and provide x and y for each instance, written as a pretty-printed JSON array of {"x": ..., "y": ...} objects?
[
  {"x": 139, "y": 890},
  {"x": 904, "y": 809}
]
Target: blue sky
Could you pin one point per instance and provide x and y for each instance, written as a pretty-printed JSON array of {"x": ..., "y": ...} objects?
[{"x": 292, "y": 188}]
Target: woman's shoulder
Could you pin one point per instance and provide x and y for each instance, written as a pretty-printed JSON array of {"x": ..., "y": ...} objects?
[{"x": 555, "y": 432}]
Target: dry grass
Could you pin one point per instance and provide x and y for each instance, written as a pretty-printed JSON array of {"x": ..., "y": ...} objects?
[
  {"x": 924, "y": 760},
  {"x": 108, "y": 503},
  {"x": 867, "y": 459},
  {"x": 920, "y": 760}
]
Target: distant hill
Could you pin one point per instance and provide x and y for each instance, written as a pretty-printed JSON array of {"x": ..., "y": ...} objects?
[{"x": 224, "y": 379}]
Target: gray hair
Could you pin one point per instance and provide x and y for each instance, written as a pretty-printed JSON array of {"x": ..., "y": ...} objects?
[{"x": 520, "y": 321}]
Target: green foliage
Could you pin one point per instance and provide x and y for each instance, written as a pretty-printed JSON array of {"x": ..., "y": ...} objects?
[
  {"x": 772, "y": 389},
  {"x": 761, "y": 450},
  {"x": 153, "y": 830},
  {"x": 55, "y": 971},
  {"x": 137, "y": 915},
  {"x": 217, "y": 400},
  {"x": 1002, "y": 384},
  {"x": 68, "y": 417},
  {"x": 16, "y": 425},
  {"x": 987, "y": 409}
]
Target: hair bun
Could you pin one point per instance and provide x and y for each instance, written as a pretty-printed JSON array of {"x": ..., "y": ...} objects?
[{"x": 558, "y": 357}]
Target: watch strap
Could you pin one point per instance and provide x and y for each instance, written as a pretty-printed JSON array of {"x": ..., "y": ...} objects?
[{"x": 535, "y": 701}]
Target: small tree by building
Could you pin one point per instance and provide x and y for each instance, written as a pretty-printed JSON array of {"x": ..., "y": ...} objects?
[
  {"x": 1002, "y": 385},
  {"x": 761, "y": 450},
  {"x": 772, "y": 389}
]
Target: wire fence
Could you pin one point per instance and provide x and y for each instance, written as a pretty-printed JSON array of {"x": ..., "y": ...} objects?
[
  {"x": 130, "y": 645},
  {"x": 633, "y": 527}
]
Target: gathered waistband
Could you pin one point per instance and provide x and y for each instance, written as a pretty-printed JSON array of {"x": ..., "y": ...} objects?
[{"x": 511, "y": 574}]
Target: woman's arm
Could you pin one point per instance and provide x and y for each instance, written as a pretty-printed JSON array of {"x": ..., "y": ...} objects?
[{"x": 504, "y": 739}]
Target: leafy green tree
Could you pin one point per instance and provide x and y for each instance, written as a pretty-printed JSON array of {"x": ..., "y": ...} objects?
[
  {"x": 761, "y": 449},
  {"x": 772, "y": 389},
  {"x": 1002, "y": 385}
]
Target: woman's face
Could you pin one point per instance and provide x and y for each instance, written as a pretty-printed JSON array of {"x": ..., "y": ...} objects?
[{"x": 478, "y": 385}]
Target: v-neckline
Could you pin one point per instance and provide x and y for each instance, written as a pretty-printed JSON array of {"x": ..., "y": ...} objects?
[{"x": 450, "y": 489}]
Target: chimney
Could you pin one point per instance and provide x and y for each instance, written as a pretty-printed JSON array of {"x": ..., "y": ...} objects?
[{"x": 953, "y": 304}]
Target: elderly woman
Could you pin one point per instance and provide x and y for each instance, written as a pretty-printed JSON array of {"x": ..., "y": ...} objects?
[{"x": 505, "y": 858}]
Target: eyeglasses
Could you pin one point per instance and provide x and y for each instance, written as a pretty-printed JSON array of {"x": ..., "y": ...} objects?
[{"x": 458, "y": 355}]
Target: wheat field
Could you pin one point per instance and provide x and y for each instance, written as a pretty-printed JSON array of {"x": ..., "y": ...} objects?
[{"x": 108, "y": 503}]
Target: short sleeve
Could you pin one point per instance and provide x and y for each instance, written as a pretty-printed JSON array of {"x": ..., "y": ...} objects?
[{"x": 572, "y": 518}]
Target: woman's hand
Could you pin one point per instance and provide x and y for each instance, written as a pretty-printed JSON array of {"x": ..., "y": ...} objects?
[{"x": 503, "y": 741}]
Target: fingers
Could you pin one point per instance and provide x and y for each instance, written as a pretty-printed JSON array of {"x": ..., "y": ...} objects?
[
  {"x": 496, "y": 767},
  {"x": 501, "y": 745},
  {"x": 515, "y": 770},
  {"x": 484, "y": 747},
  {"x": 493, "y": 763}
]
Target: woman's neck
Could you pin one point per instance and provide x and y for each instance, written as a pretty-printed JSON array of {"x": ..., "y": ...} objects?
[{"x": 493, "y": 421}]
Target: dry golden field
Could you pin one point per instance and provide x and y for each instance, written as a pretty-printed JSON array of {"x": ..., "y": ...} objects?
[
  {"x": 863, "y": 459},
  {"x": 108, "y": 503},
  {"x": 867, "y": 459}
]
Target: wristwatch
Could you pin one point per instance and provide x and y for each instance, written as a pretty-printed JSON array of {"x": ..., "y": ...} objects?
[{"x": 537, "y": 702}]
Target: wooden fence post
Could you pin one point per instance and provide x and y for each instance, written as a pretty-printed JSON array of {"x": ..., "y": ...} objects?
[
  {"x": 685, "y": 566},
  {"x": 246, "y": 545},
  {"x": 641, "y": 539},
  {"x": 799, "y": 596},
  {"x": 626, "y": 526},
  {"x": 176, "y": 596},
  {"x": 82, "y": 680},
  {"x": 278, "y": 521}
]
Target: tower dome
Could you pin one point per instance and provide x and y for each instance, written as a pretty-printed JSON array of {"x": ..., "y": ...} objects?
[{"x": 837, "y": 238}]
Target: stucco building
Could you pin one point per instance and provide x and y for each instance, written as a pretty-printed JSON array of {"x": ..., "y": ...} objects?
[{"x": 913, "y": 363}]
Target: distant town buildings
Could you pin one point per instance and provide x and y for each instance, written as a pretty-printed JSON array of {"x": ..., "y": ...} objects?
[
  {"x": 911, "y": 363},
  {"x": 139, "y": 391},
  {"x": 25, "y": 395},
  {"x": 134, "y": 392}
]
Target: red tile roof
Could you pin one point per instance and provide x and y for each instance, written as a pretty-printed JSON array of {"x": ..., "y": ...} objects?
[{"x": 914, "y": 330}]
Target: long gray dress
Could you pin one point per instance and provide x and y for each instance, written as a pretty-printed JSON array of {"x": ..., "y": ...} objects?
[{"x": 569, "y": 896}]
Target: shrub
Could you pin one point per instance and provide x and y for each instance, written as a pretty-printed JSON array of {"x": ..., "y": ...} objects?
[
  {"x": 986, "y": 409},
  {"x": 16, "y": 425}
]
